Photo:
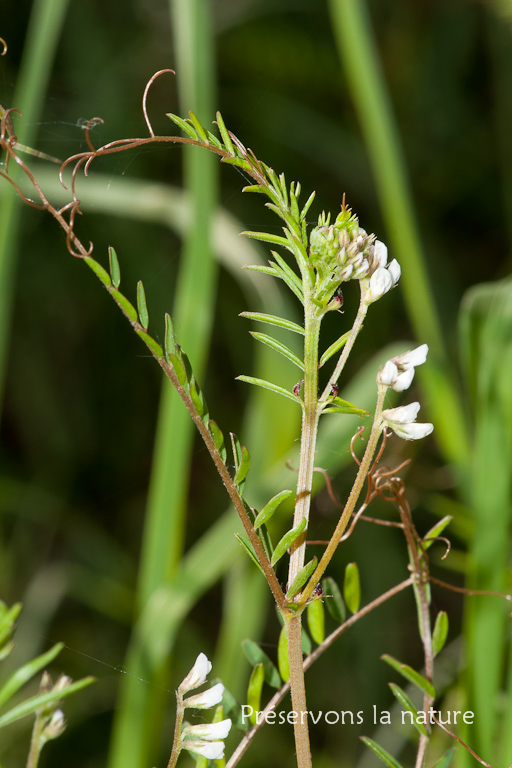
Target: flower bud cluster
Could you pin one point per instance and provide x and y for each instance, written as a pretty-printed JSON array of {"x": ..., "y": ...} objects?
[
  {"x": 203, "y": 739},
  {"x": 344, "y": 251}
]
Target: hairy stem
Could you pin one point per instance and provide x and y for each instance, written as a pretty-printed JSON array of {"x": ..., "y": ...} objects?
[
  {"x": 351, "y": 501},
  {"x": 298, "y": 691},
  {"x": 310, "y": 417}
]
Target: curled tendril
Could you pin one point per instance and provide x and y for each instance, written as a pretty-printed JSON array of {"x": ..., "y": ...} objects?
[
  {"x": 444, "y": 540},
  {"x": 145, "y": 97},
  {"x": 4, "y": 46}
]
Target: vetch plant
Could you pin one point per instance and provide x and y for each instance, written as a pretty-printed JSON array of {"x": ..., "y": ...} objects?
[{"x": 315, "y": 267}]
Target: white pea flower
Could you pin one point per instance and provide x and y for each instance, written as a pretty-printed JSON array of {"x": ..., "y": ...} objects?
[
  {"x": 402, "y": 421},
  {"x": 197, "y": 675},
  {"x": 212, "y": 750},
  {"x": 208, "y": 731},
  {"x": 56, "y": 725},
  {"x": 380, "y": 255},
  {"x": 398, "y": 372},
  {"x": 381, "y": 281},
  {"x": 206, "y": 699}
]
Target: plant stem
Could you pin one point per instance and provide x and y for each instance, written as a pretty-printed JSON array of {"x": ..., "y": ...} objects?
[
  {"x": 176, "y": 744},
  {"x": 298, "y": 691},
  {"x": 358, "y": 324},
  {"x": 310, "y": 417},
  {"x": 351, "y": 501}
]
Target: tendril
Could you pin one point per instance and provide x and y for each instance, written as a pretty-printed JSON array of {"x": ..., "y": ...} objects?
[{"x": 145, "y": 96}]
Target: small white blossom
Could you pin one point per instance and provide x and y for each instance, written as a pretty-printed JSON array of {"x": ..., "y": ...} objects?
[
  {"x": 412, "y": 358},
  {"x": 403, "y": 422},
  {"x": 212, "y": 750},
  {"x": 197, "y": 675},
  {"x": 56, "y": 725},
  {"x": 209, "y": 731},
  {"x": 206, "y": 699},
  {"x": 398, "y": 372},
  {"x": 380, "y": 254},
  {"x": 382, "y": 279}
]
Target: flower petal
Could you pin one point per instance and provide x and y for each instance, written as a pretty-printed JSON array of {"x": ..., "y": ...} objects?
[
  {"x": 206, "y": 699},
  {"x": 412, "y": 358},
  {"x": 401, "y": 415},
  {"x": 212, "y": 750},
  {"x": 388, "y": 374},
  {"x": 412, "y": 431},
  {"x": 380, "y": 254},
  {"x": 403, "y": 380},
  {"x": 209, "y": 731},
  {"x": 197, "y": 675},
  {"x": 395, "y": 271}
]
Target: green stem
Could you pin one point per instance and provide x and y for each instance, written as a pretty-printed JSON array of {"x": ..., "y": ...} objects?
[
  {"x": 358, "y": 324},
  {"x": 176, "y": 744},
  {"x": 310, "y": 417},
  {"x": 351, "y": 501}
]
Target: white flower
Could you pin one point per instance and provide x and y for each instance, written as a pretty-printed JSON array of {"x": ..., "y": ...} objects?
[
  {"x": 206, "y": 699},
  {"x": 403, "y": 422},
  {"x": 380, "y": 254},
  {"x": 213, "y": 750},
  {"x": 381, "y": 280},
  {"x": 412, "y": 358},
  {"x": 197, "y": 675},
  {"x": 209, "y": 731},
  {"x": 56, "y": 725},
  {"x": 398, "y": 372}
]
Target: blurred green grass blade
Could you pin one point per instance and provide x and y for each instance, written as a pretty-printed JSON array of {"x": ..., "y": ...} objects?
[
  {"x": 358, "y": 52},
  {"x": 45, "y": 24},
  {"x": 486, "y": 346},
  {"x": 140, "y": 714}
]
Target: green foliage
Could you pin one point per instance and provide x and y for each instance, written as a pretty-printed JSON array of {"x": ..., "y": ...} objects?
[
  {"x": 352, "y": 587},
  {"x": 411, "y": 675},
  {"x": 255, "y": 655}
]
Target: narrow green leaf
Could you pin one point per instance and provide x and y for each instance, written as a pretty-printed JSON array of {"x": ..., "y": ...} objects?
[
  {"x": 98, "y": 270},
  {"x": 307, "y": 205},
  {"x": 381, "y": 752},
  {"x": 115, "y": 271},
  {"x": 440, "y": 632},
  {"x": 294, "y": 206},
  {"x": 303, "y": 575},
  {"x": 316, "y": 620},
  {"x": 202, "y": 762},
  {"x": 278, "y": 347},
  {"x": 282, "y": 656},
  {"x": 411, "y": 675},
  {"x": 265, "y": 270},
  {"x": 446, "y": 759},
  {"x": 287, "y": 541},
  {"x": 272, "y": 387},
  {"x": 184, "y": 125},
  {"x": 27, "y": 672},
  {"x": 30, "y": 705},
  {"x": 270, "y": 507},
  {"x": 7, "y": 618},
  {"x": 212, "y": 139},
  {"x": 435, "y": 531},
  {"x": 238, "y": 162},
  {"x": 142, "y": 305},
  {"x": 170, "y": 344},
  {"x": 179, "y": 368},
  {"x": 409, "y": 707},
  {"x": 352, "y": 588},
  {"x": 256, "y": 655},
  {"x": 333, "y": 600},
  {"x": 216, "y": 433},
  {"x": 151, "y": 343},
  {"x": 225, "y": 135},
  {"x": 254, "y": 691},
  {"x": 199, "y": 128},
  {"x": 337, "y": 405},
  {"x": 243, "y": 469},
  {"x": 273, "y": 320},
  {"x": 198, "y": 399},
  {"x": 267, "y": 237},
  {"x": 246, "y": 544},
  {"x": 335, "y": 347},
  {"x": 291, "y": 277},
  {"x": 125, "y": 305}
]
